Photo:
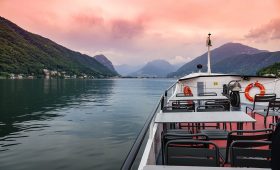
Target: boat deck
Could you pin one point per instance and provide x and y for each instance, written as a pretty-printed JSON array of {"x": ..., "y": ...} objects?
[
  {"x": 178, "y": 116},
  {"x": 156, "y": 167},
  {"x": 259, "y": 124}
]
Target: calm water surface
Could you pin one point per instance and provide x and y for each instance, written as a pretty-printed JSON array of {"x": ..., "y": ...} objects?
[{"x": 73, "y": 124}]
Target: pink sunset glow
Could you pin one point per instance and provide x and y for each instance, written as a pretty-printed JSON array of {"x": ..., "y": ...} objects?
[{"x": 137, "y": 31}]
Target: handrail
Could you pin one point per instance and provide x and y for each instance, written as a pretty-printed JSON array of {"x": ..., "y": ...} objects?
[
  {"x": 131, "y": 156},
  {"x": 171, "y": 86}
]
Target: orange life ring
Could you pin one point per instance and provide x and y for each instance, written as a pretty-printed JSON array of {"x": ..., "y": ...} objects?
[
  {"x": 250, "y": 86},
  {"x": 187, "y": 91}
]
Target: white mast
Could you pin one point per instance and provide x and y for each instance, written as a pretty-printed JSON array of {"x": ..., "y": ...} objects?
[{"x": 209, "y": 44}]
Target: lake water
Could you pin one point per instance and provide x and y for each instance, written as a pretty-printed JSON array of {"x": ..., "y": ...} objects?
[{"x": 73, "y": 124}]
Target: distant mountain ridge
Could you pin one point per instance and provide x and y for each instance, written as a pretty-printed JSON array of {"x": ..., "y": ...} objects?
[
  {"x": 126, "y": 70},
  {"x": 105, "y": 61},
  {"x": 222, "y": 53},
  {"x": 155, "y": 68},
  {"x": 247, "y": 64},
  {"x": 22, "y": 52}
]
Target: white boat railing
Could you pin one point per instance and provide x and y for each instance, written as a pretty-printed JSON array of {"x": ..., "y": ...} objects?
[{"x": 148, "y": 126}]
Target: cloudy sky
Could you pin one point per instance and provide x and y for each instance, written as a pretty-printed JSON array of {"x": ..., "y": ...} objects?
[{"x": 137, "y": 31}]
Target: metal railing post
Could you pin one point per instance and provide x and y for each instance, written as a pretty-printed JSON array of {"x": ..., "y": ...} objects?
[{"x": 161, "y": 103}]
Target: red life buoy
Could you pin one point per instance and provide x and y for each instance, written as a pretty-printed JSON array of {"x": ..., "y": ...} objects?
[
  {"x": 250, "y": 86},
  {"x": 187, "y": 91}
]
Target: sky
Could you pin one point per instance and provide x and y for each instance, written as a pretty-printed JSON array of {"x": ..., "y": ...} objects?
[{"x": 135, "y": 32}]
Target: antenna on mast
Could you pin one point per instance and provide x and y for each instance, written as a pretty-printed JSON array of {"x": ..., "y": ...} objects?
[{"x": 209, "y": 44}]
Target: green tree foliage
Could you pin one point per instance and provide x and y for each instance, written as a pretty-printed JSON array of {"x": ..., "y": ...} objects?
[
  {"x": 27, "y": 53},
  {"x": 272, "y": 69}
]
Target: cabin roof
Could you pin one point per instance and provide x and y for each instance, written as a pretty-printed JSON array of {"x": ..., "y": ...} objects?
[{"x": 196, "y": 75}]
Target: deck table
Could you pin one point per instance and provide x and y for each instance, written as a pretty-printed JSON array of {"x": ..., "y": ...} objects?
[
  {"x": 197, "y": 98},
  {"x": 238, "y": 117}
]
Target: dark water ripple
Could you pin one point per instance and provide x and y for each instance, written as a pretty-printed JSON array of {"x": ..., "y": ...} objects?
[{"x": 72, "y": 124}]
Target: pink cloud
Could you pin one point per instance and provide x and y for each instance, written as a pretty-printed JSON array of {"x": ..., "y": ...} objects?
[
  {"x": 126, "y": 29},
  {"x": 115, "y": 28},
  {"x": 266, "y": 32},
  {"x": 93, "y": 31},
  {"x": 88, "y": 20}
]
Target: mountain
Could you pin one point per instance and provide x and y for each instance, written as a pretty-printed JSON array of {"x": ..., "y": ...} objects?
[
  {"x": 246, "y": 64},
  {"x": 273, "y": 69},
  {"x": 28, "y": 53},
  {"x": 156, "y": 68},
  {"x": 221, "y": 53},
  {"x": 126, "y": 70},
  {"x": 105, "y": 61}
]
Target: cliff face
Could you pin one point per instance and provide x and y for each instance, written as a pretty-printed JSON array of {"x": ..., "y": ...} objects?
[
  {"x": 106, "y": 62},
  {"x": 27, "y": 53}
]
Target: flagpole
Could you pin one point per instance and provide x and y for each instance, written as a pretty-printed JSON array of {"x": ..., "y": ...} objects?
[{"x": 209, "y": 45}]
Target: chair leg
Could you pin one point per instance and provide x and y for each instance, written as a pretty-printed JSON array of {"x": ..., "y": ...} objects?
[
  {"x": 188, "y": 125},
  {"x": 274, "y": 119},
  {"x": 225, "y": 126},
  {"x": 265, "y": 122},
  {"x": 192, "y": 126},
  {"x": 253, "y": 124}
]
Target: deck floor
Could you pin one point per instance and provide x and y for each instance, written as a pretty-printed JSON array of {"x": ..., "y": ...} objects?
[{"x": 246, "y": 126}]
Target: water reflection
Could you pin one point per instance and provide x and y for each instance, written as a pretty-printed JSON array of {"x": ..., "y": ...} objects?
[
  {"x": 26, "y": 101},
  {"x": 72, "y": 124}
]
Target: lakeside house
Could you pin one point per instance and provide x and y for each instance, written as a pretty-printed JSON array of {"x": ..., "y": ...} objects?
[{"x": 47, "y": 74}]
